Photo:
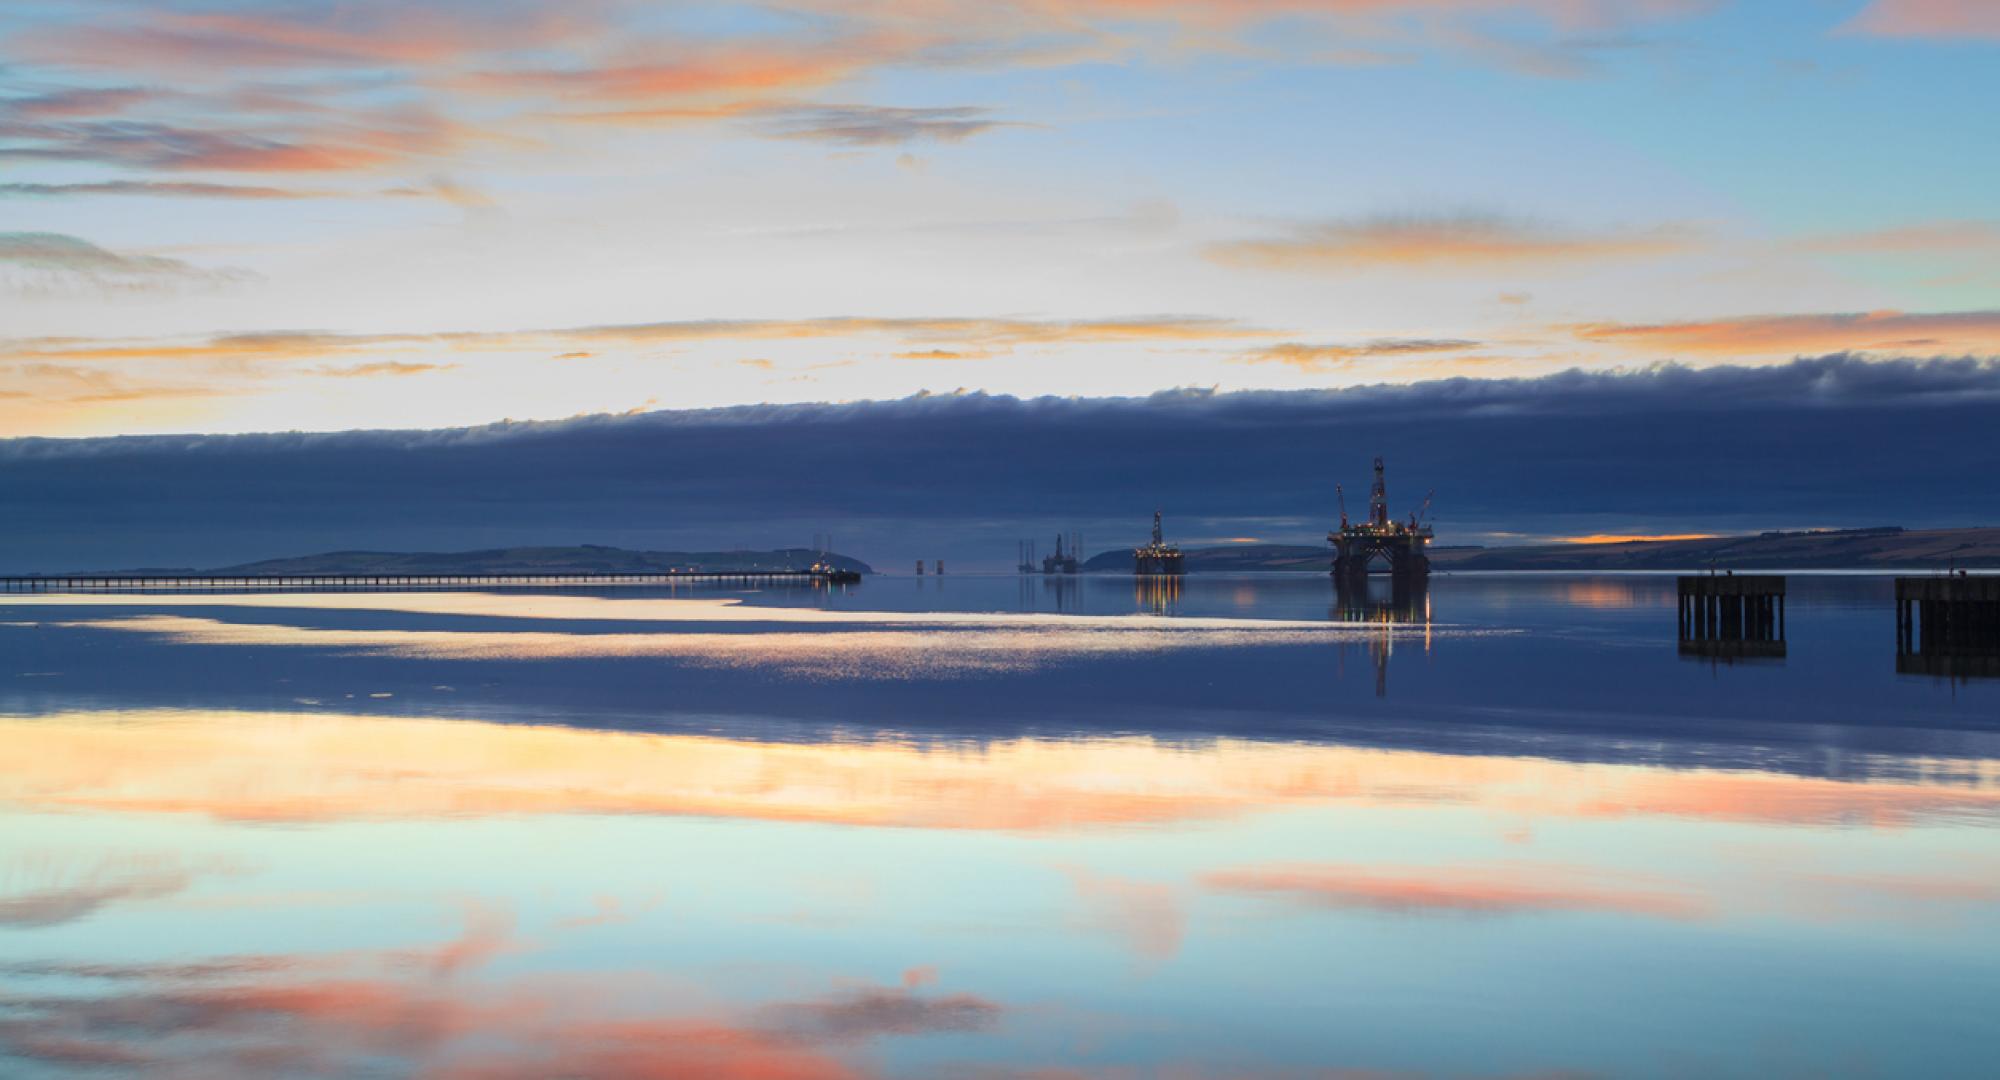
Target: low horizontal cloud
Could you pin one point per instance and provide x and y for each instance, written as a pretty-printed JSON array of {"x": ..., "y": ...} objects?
[
  {"x": 312, "y": 36},
  {"x": 872, "y": 125},
  {"x": 1975, "y": 332},
  {"x": 53, "y": 262},
  {"x": 160, "y": 188},
  {"x": 1928, "y": 238},
  {"x": 391, "y": 368},
  {"x": 1336, "y": 357},
  {"x": 1470, "y": 240},
  {"x": 976, "y": 466},
  {"x": 88, "y": 385},
  {"x": 76, "y": 101},
  {"x": 360, "y": 140},
  {"x": 961, "y": 334},
  {"x": 687, "y": 82},
  {"x": 1943, "y": 19}
]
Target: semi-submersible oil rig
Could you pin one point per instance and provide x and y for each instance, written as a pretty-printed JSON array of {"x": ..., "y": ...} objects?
[
  {"x": 1401, "y": 544},
  {"x": 1159, "y": 558}
]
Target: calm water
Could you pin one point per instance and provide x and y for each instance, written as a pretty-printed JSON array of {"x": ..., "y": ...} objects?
[{"x": 989, "y": 828}]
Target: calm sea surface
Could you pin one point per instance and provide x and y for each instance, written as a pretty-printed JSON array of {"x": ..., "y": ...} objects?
[{"x": 991, "y": 828}]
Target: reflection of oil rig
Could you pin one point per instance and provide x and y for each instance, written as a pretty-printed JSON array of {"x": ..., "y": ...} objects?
[
  {"x": 1405, "y": 607},
  {"x": 1157, "y": 594},
  {"x": 1062, "y": 562},
  {"x": 1399, "y": 543},
  {"x": 1157, "y": 558}
]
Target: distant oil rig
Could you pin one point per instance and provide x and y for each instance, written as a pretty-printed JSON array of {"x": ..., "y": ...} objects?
[
  {"x": 1159, "y": 558},
  {"x": 1357, "y": 546},
  {"x": 1062, "y": 562},
  {"x": 1401, "y": 544}
]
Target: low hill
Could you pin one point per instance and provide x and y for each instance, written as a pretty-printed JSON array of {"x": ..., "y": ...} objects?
[
  {"x": 1887, "y": 548},
  {"x": 584, "y": 559},
  {"x": 1844, "y": 549}
]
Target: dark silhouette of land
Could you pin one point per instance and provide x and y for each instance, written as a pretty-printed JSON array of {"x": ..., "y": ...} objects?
[{"x": 1888, "y": 548}]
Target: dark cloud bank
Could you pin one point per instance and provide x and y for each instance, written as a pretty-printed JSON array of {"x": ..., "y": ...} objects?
[{"x": 1829, "y": 441}]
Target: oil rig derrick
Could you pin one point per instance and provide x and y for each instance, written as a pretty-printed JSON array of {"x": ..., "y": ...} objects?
[
  {"x": 1401, "y": 544},
  {"x": 1158, "y": 558},
  {"x": 1064, "y": 562}
]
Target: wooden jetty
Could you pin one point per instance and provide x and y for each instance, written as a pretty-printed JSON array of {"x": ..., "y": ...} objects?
[
  {"x": 62, "y": 583},
  {"x": 1731, "y": 617},
  {"x": 1948, "y": 625},
  {"x": 1732, "y": 607}
]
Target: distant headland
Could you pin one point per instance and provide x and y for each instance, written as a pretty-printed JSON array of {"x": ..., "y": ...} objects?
[{"x": 1885, "y": 548}]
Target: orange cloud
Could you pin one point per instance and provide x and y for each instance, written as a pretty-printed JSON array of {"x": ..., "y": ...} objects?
[
  {"x": 1466, "y": 890},
  {"x": 1631, "y": 538},
  {"x": 385, "y": 367},
  {"x": 1322, "y": 358},
  {"x": 1481, "y": 241},
  {"x": 968, "y": 338},
  {"x": 1875, "y": 331},
  {"x": 1932, "y": 238},
  {"x": 1946, "y": 19},
  {"x": 681, "y": 82}
]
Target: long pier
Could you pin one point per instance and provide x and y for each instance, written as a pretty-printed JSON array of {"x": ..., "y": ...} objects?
[{"x": 59, "y": 583}]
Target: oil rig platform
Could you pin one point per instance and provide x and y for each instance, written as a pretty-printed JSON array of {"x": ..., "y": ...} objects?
[
  {"x": 1062, "y": 562},
  {"x": 1159, "y": 558},
  {"x": 1399, "y": 543}
]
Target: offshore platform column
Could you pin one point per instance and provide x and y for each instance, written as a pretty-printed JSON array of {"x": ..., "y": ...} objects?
[{"x": 1400, "y": 544}]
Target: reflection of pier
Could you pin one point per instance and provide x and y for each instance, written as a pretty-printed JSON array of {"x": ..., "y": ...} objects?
[
  {"x": 1948, "y": 626},
  {"x": 1730, "y": 617}
]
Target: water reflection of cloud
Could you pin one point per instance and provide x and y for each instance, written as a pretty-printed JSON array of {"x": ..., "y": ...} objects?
[
  {"x": 42, "y": 891},
  {"x": 375, "y": 1013},
  {"x": 1465, "y": 890},
  {"x": 284, "y": 767},
  {"x": 836, "y": 654},
  {"x": 1147, "y": 916}
]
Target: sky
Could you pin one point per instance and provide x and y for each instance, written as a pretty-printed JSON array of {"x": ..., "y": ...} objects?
[{"x": 231, "y": 217}]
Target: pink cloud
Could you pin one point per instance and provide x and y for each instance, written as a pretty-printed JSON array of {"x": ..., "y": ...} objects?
[
  {"x": 1929, "y": 19},
  {"x": 1480, "y": 890}
]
